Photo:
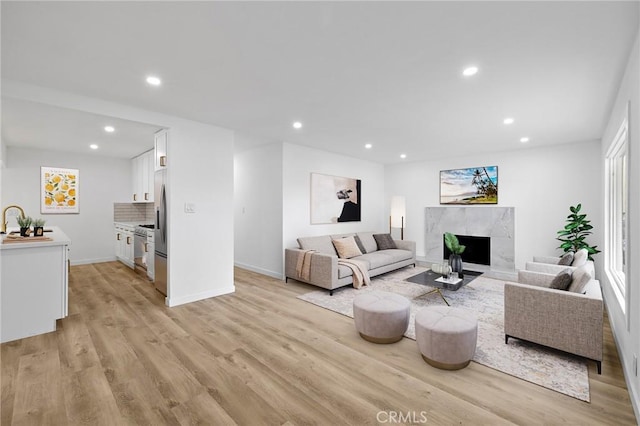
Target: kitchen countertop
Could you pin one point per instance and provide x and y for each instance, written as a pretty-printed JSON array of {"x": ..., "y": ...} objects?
[
  {"x": 133, "y": 224},
  {"x": 58, "y": 238}
]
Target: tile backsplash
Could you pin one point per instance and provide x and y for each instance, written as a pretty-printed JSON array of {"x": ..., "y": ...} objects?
[{"x": 133, "y": 212}]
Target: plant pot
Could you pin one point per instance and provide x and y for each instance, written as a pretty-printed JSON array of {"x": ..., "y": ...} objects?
[
  {"x": 455, "y": 261},
  {"x": 38, "y": 231},
  {"x": 24, "y": 232}
]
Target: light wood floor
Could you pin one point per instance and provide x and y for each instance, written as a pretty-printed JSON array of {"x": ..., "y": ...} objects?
[{"x": 259, "y": 356}]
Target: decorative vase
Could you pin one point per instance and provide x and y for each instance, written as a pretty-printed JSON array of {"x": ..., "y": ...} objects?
[
  {"x": 455, "y": 261},
  {"x": 38, "y": 231},
  {"x": 24, "y": 232}
]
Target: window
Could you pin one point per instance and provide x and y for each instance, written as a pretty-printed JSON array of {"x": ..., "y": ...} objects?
[{"x": 617, "y": 202}]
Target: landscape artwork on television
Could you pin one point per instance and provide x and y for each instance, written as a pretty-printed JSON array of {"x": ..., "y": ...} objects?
[
  {"x": 475, "y": 185},
  {"x": 335, "y": 199}
]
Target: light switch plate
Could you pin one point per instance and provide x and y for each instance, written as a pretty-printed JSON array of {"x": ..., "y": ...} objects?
[{"x": 189, "y": 208}]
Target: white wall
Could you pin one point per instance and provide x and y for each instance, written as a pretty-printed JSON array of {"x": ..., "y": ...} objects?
[
  {"x": 273, "y": 188},
  {"x": 626, "y": 327},
  {"x": 200, "y": 162},
  {"x": 103, "y": 180},
  {"x": 258, "y": 209},
  {"x": 200, "y": 249},
  {"x": 541, "y": 183},
  {"x": 299, "y": 162}
]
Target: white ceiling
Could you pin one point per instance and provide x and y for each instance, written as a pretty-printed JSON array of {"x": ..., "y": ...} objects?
[
  {"x": 35, "y": 125},
  {"x": 387, "y": 73}
]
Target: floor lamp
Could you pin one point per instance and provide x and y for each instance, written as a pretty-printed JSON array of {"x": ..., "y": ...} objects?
[{"x": 398, "y": 212}]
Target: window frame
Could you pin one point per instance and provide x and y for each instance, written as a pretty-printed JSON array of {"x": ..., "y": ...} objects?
[{"x": 617, "y": 213}]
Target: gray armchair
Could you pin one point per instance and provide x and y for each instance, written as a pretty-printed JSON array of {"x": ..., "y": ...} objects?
[{"x": 560, "y": 319}]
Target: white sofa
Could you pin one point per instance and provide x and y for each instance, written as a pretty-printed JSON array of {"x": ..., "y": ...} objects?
[{"x": 325, "y": 272}]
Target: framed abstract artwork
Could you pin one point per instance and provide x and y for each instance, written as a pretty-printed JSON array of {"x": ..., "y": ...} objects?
[
  {"x": 335, "y": 199},
  {"x": 59, "y": 190},
  {"x": 474, "y": 185}
]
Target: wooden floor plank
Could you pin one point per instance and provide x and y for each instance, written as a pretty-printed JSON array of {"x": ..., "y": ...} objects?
[
  {"x": 258, "y": 356},
  {"x": 225, "y": 386},
  {"x": 39, "y": 396},
  {"x": 89, "y": 399}
]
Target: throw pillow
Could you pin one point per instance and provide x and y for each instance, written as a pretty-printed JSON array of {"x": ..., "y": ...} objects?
[
  {"x": 581, "y": 277},
  {"x": 384, "y": 241},
  {"x": 368, "y": 241},
  {"x": 562, "y": 281},
  {"x": 360, "y": 245},
  {"x": 346, "y": 247},
  {"x": 566, "y": 259},
  {"x": 580, "y": 258}
]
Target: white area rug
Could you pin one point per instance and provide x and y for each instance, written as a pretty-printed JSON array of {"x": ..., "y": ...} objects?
[{"x": 485, "y": 297}]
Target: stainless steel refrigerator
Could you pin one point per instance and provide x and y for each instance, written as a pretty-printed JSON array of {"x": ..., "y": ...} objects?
[{"x": 160, "y": 200}]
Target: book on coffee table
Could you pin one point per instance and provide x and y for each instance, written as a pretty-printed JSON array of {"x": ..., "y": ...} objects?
[{"x": 450, "y": 281}]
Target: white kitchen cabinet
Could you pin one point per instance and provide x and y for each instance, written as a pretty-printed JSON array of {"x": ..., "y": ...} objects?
[
  {"x": 161, "y": 140},
  {"x": 124, "y": 243},
  {"x": 34, "y": 284},
  {"x": 150, "y": 252},
  {"x": 142, "y": 177},
  {"x": 150, "y": 172}
]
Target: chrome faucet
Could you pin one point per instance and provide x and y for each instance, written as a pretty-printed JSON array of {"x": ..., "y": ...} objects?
[{"x": 3, "y": 228}]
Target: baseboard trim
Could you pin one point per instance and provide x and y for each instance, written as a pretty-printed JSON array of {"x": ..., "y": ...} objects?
[
  {"x": 177, "y": 301},
  {"x": 624, "y": 362},
  {"x": 272, "y": 274}
]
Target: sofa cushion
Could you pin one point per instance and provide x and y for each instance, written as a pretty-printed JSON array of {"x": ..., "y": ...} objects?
[
  {"x": 344, "y": 271},
  {"x": 580, "y": 258},
  {"x": 566, "y": 259},
  {"x": 320, "y": 244},
  {"x": 384, "y": 257},
  {"x": 360, "y": 245},
  {"x": 580, "y": 279},
  {"x": 384, "y": 241},
  {"x": 368, "y": 241},
  {"x": 562, "y": 281},
  {"x": 346, "y": 247}
]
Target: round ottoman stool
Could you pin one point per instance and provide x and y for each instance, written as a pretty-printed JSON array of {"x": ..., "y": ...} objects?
[
  {"x": 446, "y": 336},
  {"x": 381, "y": 317}
]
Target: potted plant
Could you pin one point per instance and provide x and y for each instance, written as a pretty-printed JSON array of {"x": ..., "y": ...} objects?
[
  {"x": 575, "y": 231},
  {"x": 456, "y": 249},
  {"x": 38, "y": 227},
  {"x": 25, "y": 223}
]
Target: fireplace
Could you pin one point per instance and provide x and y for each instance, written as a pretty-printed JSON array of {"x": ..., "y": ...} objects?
[
  {"x": 477, "y": 251},
  {"x": 494, "y": 223}
]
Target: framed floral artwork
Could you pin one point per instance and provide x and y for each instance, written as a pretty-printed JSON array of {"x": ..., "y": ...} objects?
[{"x": 59, "y": 190}]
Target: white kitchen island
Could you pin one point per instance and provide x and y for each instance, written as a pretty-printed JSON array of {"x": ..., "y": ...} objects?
[{"x": 34, "y": 286}]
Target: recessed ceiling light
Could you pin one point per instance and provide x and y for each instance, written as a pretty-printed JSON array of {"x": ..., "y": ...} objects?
[
  {"x": 508, "y": 120},
  {"x": 524, "y": 140},
  {"x": 154, "y": 81},
  {"x": 109, "y": 129},
  {"x": 93, "y": 146},
  {"x": 469, "y": 71},
  {"x": 403, "y": 156},
  {"x": 368, "y": 146},
  {"x": 297, "y": 125}
]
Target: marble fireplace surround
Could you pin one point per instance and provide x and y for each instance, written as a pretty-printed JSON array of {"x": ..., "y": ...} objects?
[{"x": 480, "y": 221}]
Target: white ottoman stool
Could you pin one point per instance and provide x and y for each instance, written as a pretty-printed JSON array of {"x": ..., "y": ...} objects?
[
  {"x": 381, "y": 317},
  {"x": 446, "y": 336}
]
